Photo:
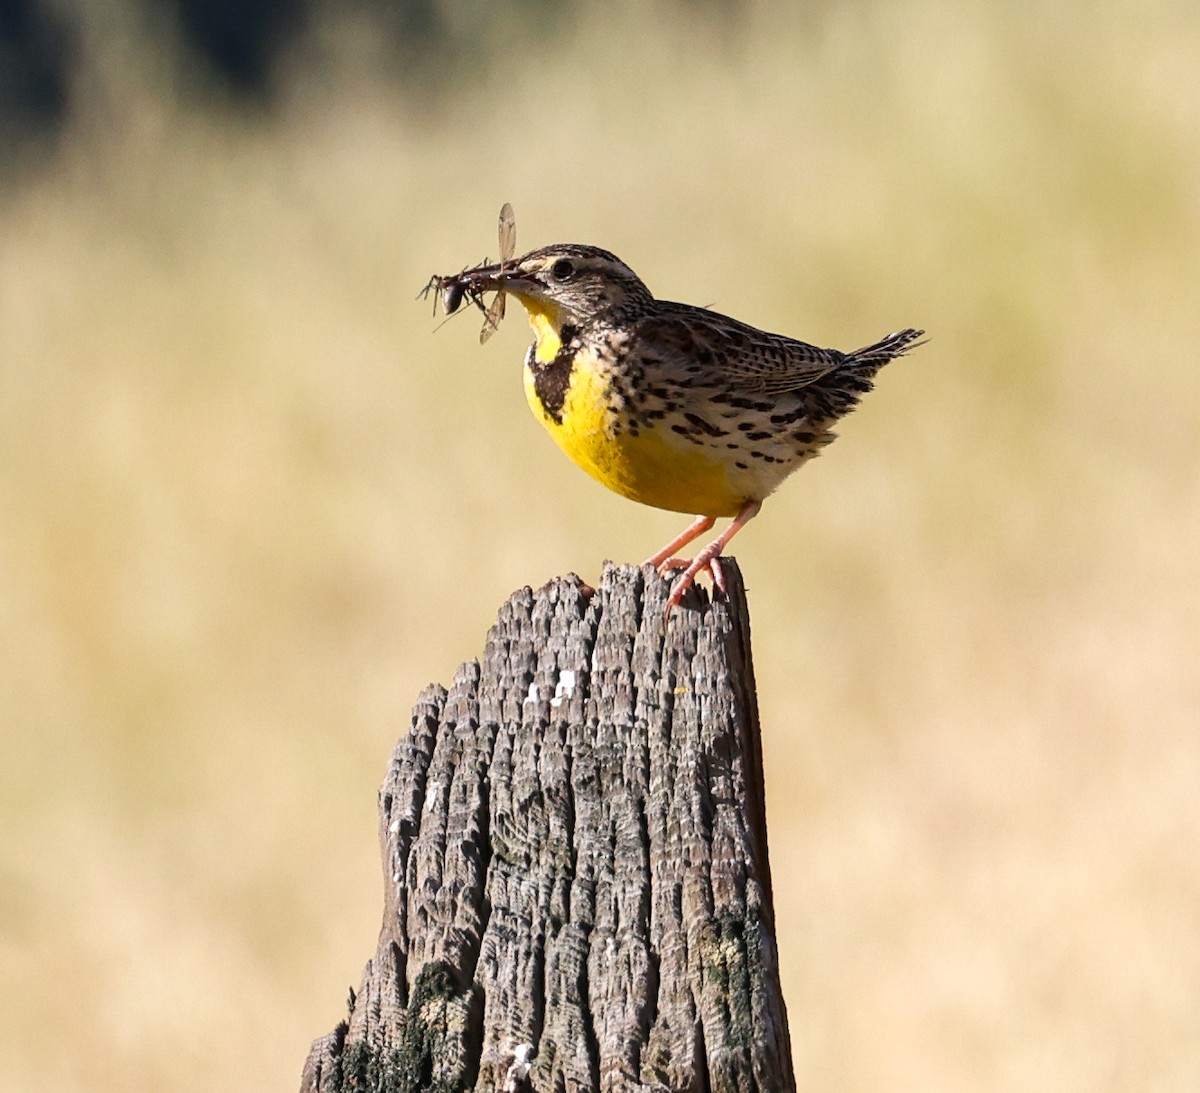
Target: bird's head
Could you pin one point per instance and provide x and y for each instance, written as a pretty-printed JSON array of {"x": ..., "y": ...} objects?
[{"x": 565, "y": 284}]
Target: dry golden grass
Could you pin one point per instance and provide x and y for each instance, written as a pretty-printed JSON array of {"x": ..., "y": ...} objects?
[{"x": 251, "y": 502}]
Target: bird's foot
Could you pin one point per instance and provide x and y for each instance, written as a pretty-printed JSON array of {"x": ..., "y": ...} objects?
[{"x": 707, "y": 561}]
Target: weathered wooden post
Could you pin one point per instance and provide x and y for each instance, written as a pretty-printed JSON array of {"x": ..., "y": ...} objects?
[{"x": 577, "y": 888}]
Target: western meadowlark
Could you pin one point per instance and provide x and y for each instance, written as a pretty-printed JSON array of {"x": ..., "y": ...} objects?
[{"x": 671, "y": 405}]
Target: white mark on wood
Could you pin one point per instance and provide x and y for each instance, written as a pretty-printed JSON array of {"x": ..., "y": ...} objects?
[
  {"x": 564, "y": 688},
  {"x": 533, "y": 693},
  {"x": 518, "y": 1069}
]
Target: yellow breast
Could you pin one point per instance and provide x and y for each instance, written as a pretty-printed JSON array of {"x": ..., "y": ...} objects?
[{"x": 653, "y": 467}]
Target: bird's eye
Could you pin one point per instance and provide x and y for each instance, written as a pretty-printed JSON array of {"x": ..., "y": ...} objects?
[{"x": 563, "y": 269}]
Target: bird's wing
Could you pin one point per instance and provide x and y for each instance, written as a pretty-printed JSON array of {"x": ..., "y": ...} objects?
[{"x": 706, "y": 348}]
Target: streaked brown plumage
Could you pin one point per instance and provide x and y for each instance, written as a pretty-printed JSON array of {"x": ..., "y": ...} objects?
[{"x": 675, "y": 406}]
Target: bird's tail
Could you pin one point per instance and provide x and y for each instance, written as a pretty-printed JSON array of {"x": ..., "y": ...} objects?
[{"x": 874, "y": 357}]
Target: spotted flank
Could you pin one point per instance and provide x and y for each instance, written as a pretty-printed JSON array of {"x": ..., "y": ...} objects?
[{"x": 671, "y": 405}]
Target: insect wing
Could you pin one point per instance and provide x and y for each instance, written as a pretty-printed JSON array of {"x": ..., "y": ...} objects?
[
  {"x": 508, "y": 244},
  {"x": 508, "y": 233},
  {"x": 492, "y": 317}
]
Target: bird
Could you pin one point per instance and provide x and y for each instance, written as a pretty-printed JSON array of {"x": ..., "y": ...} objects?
[{"x": 671, "y": 405}]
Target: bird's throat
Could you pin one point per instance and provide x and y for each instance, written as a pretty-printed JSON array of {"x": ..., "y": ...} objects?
[{"x": 545, "y": 320}]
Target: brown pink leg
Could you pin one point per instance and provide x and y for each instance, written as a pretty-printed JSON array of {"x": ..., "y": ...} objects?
[
  {"x": 698, "y": 527},
  {"x": 707, "y": 559}
]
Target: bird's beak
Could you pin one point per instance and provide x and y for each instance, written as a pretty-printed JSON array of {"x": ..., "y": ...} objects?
[{"x": 499, "y": 277}]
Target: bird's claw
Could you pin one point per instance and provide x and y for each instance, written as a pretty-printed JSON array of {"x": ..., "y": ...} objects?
[{"x": 691, "y": 570}]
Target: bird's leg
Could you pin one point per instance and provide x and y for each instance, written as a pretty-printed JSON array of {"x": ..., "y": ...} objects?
[
  {"x": 697, "y": 527},
  {"x": 708, "y": 557}
]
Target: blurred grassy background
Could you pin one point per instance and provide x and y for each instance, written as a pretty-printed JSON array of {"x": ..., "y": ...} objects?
[{"x": 251, "y": 502}]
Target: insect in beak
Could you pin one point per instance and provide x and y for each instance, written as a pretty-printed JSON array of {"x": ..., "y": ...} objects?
[{"x": 471, "y": 284}]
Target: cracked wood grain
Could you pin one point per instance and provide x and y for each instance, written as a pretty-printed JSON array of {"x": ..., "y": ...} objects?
[{"x": 577, "y": 888}]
